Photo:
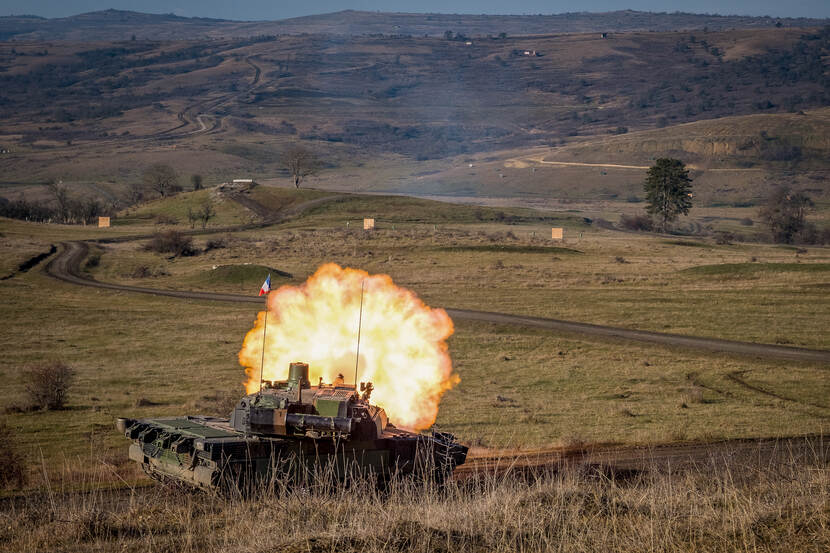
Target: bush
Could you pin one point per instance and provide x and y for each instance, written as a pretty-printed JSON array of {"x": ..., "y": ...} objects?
[
  {"x": 216, "y": 244},
  {"x": 12, "y": 462},
  {"x": 811, "y": 234},
  {"x": 602, "y": 223},
  {"x": 637, "y": 222},
  {"x": 48, "y": 385},
  {"x": 171, "y": 241},
  {"x": 142, "y": 271},
  {"x": 164, "y": 219},
  {"x": 724, "y": 238},
  {"x": 93, "y": 261}
]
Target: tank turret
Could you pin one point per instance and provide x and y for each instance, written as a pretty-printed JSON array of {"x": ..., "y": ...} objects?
[{"x": 295, "y": 408}]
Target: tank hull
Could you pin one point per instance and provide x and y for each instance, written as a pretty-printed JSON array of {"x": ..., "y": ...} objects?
[{"x": 207, "y": 453}]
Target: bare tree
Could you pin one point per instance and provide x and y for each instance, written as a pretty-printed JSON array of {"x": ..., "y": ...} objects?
[
  {"x": 192, "y": 217},
  {"x": 206, "y": 213},
  {"x": 48, "y": 385},
  {"x": 61, "y": 197},
  {"x": 300, "y": 163},
  {"x": 162, "y": 178},
  {"x": 135, "y": 192},
  {"x": 784, "y": 212}
]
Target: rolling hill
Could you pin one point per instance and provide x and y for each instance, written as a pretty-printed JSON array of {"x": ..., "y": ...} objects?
[
  {"x": 111, "y": 24},
  {"x": 411, "y": 114}
]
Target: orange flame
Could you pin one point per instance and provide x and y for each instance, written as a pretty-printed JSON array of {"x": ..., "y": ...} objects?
[{"x": 403, "y": 351}]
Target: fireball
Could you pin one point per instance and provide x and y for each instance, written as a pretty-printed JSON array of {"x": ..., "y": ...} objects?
[{"x": 403, "y": 349}]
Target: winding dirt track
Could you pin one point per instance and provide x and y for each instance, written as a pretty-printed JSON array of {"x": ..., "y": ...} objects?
[
  {"x": 605, "y": 461},
  {"x": 66, "y": 265}
]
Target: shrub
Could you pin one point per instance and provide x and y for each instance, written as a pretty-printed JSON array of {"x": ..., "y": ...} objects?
[
  {"x": 13, "y": 465},
  {"x": 164, "y": 219},
  {"x": 142, "y": 271},
  {"x": 93, "y": 261},
  {"x": 747, "y": 222},
  {"x": 637, "y": 222},
  {"x": 811, "y": 234},
  {"x": 171, "y": 241},
  {"x": 724, "y": 237},
  {"x": 216, "y": 244},
  {"x": 48, "y": 385}
]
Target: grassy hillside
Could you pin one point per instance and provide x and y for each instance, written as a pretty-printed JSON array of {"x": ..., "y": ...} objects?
[{"x": 743, "y": 141}]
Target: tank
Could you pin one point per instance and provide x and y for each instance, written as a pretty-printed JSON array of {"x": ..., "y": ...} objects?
[{"x": 289, "y": 429}]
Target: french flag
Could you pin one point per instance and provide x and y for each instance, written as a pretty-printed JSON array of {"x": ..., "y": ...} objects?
[{"x": 266, "y": 286}]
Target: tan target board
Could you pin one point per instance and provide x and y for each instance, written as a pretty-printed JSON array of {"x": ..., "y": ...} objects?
[
  {"x": 557, "y": 233},
  {"x": 368, "y": 224},
  {"x": 103, "y": 222}
]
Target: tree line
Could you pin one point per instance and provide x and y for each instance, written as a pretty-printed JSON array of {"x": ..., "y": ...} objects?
[{"x": 158, "y": 180}]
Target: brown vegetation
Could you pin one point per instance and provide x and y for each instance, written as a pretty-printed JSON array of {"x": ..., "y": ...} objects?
[
  {"x": 161, "y": 179},
  {"x": 425, "y": 98},
  {"x": 726, "y": 504},
  {"x": 47, "y": 385},
  {"x": 636, "y": 222},
  {"x": 173, "y": 242},
  {"x": 12, "y": 465}
]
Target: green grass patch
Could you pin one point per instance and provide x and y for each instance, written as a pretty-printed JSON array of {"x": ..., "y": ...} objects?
[
  {"x": 175, "y": 209},
  {"x": 248, "y": 276},
  {"x": 276, "y": 199},
  {"x": 403, "y": 210},
  {"x": 506, "y": 248},
  {"x": 740, "y": 269}
]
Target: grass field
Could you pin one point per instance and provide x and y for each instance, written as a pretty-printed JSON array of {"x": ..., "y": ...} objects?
[
  {"x": 142, "y": 356},
  {"x": 533, "y": 142},
  {"x": 501, "y": 259}
]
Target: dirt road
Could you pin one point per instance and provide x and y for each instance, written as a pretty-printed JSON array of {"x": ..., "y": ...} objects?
[{"x": 66, "y": 267}]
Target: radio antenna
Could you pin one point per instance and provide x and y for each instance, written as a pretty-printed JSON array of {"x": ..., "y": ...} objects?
[
  {"x": 262, "y": 360},
  {"x": 359, "y": 325}
]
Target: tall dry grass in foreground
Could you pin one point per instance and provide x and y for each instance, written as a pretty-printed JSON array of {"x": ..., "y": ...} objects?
[{"x": 727, "y": 505}]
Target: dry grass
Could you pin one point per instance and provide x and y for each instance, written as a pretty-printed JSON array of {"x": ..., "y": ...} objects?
[
  {"x": 142, "y": 356},
  {"x": 726, "y": 504},
  {"x": 175, "y": 355},
  {"x": 749, "y": 292}
]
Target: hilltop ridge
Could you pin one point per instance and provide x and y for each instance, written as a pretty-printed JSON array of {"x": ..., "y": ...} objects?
[{"x": 120, "y": 24}]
